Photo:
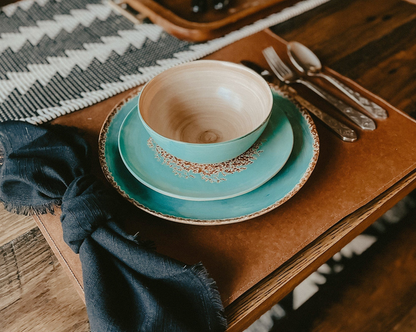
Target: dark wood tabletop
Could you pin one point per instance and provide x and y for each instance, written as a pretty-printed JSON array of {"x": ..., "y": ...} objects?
[
  {"x": 369, "y": 41},
  {"x": 372, "y": 43}
]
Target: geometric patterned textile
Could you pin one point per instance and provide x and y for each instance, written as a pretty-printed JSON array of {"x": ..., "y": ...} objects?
[{"x": 58, "y": 56}]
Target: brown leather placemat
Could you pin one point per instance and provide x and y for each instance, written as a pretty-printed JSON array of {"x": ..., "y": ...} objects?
[{"x": 237, "y": 256}]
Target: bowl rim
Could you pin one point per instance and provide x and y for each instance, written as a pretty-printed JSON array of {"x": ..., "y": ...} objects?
[{"x": 221, "y": 63}]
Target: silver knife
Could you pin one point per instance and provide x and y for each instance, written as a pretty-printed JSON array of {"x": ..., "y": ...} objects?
[
  {"x": 360, "y": 119},
  {"x": 346, "y": 133}
]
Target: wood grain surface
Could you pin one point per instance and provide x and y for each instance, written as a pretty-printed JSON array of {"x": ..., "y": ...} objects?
[
  {"x": 364, "y": 40},
  {"x": 176, "y": 18},
  {"x": 12, "y": 225},
  {"x": 247, "y": 308},
  {"x": 35, "y": 292},
  {"x": 375, "y": 294}
]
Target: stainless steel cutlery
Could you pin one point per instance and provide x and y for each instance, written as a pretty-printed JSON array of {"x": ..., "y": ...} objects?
[
  {"x": 346, "y": 133},
  {"x": 305, "y": 61},
  {"x": 308, "y": 64},
  {"x": 288, "y": 76}
]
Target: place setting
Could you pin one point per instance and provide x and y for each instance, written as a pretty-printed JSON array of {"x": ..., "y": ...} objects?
[
  {"x": 208, "y": 142},
  {"x": 214, "y": 142},
  {"x": 285, "y": 123},
  {"x": 303, "y": 66}
]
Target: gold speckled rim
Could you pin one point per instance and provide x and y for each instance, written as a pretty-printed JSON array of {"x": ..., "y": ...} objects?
[{"x": 101, "y": 153}]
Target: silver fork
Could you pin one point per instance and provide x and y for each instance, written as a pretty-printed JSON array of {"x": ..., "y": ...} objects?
[{"x": 286, "y": 75}]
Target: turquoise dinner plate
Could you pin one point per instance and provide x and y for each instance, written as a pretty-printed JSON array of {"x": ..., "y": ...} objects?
[
  {"x": 265, "y": 198},
  {"x": 174, "y": 177}
]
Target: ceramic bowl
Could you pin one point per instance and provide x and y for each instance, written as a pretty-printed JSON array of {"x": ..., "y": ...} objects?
[{"x": 206, "y": 111}]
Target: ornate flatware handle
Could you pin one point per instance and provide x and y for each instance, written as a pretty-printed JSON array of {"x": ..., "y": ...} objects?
[
  {"x": 346, "y": 133},
  {"x": 360, "y": 119},
  {"x": 372, "y": 108}
]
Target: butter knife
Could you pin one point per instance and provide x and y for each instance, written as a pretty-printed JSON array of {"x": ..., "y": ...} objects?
[{"x": 346, "y": 133}]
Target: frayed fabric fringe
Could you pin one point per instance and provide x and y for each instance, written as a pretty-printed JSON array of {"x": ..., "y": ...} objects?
[
  {"x": 31, "y": 210},
  {"x": 201, "y": 272}
]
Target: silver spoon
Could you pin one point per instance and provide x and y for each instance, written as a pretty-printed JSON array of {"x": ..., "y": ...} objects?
[{"x": 307, "y": 62}]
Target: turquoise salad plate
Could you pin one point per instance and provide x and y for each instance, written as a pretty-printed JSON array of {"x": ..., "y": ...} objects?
[
  {"x": 268, "y": 196},
  {"x": 164, "y": 173}
]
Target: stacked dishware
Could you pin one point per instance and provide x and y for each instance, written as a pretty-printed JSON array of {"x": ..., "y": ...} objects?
[{"x": 208, "y": 142}]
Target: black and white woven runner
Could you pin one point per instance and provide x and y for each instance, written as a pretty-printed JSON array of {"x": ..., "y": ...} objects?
[{"x": 58, "y": 56}]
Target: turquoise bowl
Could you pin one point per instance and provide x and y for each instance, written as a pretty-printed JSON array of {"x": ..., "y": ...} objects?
[{"x": 206, "y": 111}]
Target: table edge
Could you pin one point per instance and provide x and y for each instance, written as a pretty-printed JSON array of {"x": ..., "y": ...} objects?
[{"x": 258, "y": 299}]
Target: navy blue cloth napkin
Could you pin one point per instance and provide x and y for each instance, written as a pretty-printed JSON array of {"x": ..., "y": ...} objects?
[{"x": 128, "y": 287}]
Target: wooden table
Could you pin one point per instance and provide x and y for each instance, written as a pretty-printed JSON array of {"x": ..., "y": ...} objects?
[{"x": 371, "y": 43}]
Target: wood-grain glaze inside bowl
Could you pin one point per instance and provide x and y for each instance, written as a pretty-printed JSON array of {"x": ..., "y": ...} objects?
[{"x": 206, "y": 111}]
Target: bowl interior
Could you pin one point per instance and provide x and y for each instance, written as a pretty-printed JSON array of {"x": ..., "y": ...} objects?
[{"x": 205, "y": 102}]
